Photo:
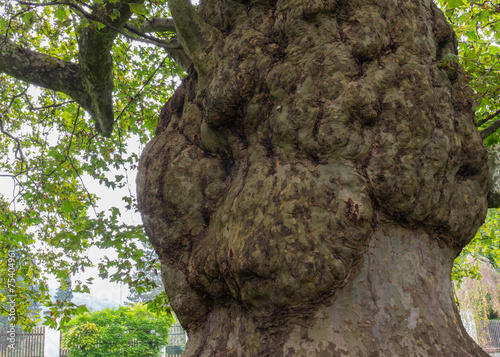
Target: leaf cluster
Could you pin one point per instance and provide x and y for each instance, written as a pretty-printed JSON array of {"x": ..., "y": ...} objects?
[
  {"x": 480, "y": 256},
  {"x": 125, "y": 331},
  {"x": 477, "y": 25}
]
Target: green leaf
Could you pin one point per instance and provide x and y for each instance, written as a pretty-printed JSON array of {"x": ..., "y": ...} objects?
[
  {"x": 138, "y": 9},
  {"x": 60, "y": 13}
]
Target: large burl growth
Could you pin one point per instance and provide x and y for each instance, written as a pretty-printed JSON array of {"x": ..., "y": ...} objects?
[{"x": 309, "y": 186}]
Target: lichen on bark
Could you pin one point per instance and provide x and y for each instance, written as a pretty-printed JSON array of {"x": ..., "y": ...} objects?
[{"x": 313, "y": 124}]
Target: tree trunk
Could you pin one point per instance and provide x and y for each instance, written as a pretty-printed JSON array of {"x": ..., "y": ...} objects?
[{"x": 308, "y": 190}]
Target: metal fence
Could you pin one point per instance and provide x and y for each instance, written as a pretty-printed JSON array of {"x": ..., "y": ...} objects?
[
  {"x": 14, "y": 342},
  {"x": 177, "y": 336},
  {"x": 62, "y": 351}
]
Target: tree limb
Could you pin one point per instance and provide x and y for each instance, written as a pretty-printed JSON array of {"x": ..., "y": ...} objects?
[
  {"x": 102, "y": 19},
  {"x": 89, "y": 83},
  {"x": 96, "y": 63},
  {"x": 157, "y": 24},
  {"x": 491, "y": 129},
  {"x": 195, "y": 35},
  {"x": 488, "y": 118},
  {"x": 175, "y": 50},
  {"x": 42, "y": 70}
]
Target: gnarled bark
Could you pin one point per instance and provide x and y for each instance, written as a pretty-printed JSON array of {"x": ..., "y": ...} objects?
[{"x": 308, "y": 190}]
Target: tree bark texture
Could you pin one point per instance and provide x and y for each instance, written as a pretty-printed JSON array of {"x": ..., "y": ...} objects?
[{"x": 308, "y": 191}]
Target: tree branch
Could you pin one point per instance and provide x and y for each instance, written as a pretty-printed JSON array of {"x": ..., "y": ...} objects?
[
  {"x": 490, "y": 130},
  {"x": 18, "y": 153},
  {"x": 51, "y": 106},
  {"x": 96, "y": 62},
  {"x": 157, "y": 24},
  {"x": 39, "y": 69},
  {"x": 44, "y": 71},
  {"x": 488, "y": 118},
  {"x": 92, "y": 85},
  {"x": 180, "y": 56},
  {"x": 110, "y": 24},
  {"x": 195, "y": 35},
  {"x": 89, "y": 83}
]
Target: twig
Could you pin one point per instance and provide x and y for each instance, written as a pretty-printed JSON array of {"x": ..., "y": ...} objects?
[
  {"x": 146, "y": 82},
  {"x": 10, "y": 22},
  {"x": 18, "y": 150},
  {"x": 50, "y": 106}
]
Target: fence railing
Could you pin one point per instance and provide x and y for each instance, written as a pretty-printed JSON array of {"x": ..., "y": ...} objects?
[
  {"x": 14, "y": 342},
  {"x": 487, "y": 335},
  {"x": 494, "y": 333},
  {"x": 177, "y": 336}
]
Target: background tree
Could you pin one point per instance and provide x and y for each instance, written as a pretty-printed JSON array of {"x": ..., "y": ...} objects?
[
  {"x": 319, "y": 166},
  {"x": 19, "y": 277},
  {"x": 125, "y": 331},
  {"x": 479, "y": 299}
]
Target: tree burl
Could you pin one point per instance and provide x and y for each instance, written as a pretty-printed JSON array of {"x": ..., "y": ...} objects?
[{"x": 313, "y": 178}]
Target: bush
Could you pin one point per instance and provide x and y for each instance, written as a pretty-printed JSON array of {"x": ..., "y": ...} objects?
[{"x": 122, "y": 332}]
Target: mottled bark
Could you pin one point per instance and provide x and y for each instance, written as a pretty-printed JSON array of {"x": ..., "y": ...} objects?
[
  {"x": 494, "y": 160},
  {"x": 41, "y": 70},
  {"x": 94, "y": 45},
  {"x": 195, "y": 35},
  {"x": 308, "y": 190},
  {"x": 157, "y": 24}
]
